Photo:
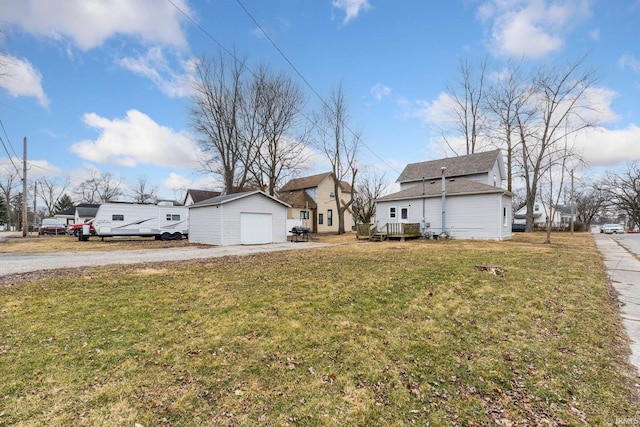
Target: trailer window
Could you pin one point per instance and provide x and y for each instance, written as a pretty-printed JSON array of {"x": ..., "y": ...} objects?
[
  {"x": 117, "y": 217},
  {"x": 173, "y": 217}
]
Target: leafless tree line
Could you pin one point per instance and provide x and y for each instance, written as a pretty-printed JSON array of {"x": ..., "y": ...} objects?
[{"x": 534, "y": 117}]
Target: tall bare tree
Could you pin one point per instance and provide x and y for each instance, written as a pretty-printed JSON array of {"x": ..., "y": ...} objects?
[
  {"x": 49, "y": 190},
  {"x": 558, "y": 104},
  {"x": 215, "y": 117},
  {"x": 590, "y": 200},
  {"x": 273, "y": 130},
  {"x": 505, "y": 100},
  {"x": 340, "y": 146},
  {"x": 468, "y": 96}
]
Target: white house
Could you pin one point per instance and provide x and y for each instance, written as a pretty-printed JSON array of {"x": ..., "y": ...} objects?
[
  {"x": 252, "y": 217},
  {"x": 561, "y": 215},
  {"x": 475, "y": 204}
]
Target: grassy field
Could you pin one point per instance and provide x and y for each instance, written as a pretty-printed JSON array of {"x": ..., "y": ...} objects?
[{"x": 357, "y": 334}]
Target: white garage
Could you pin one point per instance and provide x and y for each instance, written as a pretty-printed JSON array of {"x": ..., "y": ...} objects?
[{"x": 248, "y": 218}]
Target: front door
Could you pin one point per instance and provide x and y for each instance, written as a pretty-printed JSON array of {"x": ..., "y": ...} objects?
[{"x": 404, "y": 214}]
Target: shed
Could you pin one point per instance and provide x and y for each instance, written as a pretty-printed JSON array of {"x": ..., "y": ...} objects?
[{"x": 248, "y": 218}]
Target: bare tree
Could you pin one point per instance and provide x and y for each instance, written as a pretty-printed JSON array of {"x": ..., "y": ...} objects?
[
  {"x": 468, "y": 95},
  {"x": 143, "y": 192},
  {"x": 340, "y": 146},
  {"x": 215, "y": 117},
  {"x": 623, "y": 190},
  {"x": 273, "y": 130},
  {"x": 50, "y": 190},
  {"x": 558, "y": 101},
  {"x": 590, "y": 200},
  {"x": 507, "y": 99},
  {"x": 99, "y": 188},
  {"x": 369, "y": 186},
  {"x": 10, "y": 181}
]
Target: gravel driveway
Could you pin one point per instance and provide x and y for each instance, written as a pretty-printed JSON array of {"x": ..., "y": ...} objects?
[{"x": 12, "y": 263}]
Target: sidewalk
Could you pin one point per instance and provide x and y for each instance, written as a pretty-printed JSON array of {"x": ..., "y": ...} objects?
[{"x": 623, "y": 266}]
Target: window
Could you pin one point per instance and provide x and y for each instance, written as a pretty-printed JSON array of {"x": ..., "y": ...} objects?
[
  {"x": 504, "y": 216},
  {"x": 404, "y": 213},
  {"x": 117, "y": 217},
  {"x": 332, "y": 194},
  {"x": 304, "y": 214},
  {"x": 536, "y": 208},
  {"x": 320, "y": 219},
  {"x": 173, "y": 217},
  {"x": 329, "y": 218},
  {"x": 392, "y": 212}
]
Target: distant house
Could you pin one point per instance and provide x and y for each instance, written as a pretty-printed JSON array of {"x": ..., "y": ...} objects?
[
  {"x": 561, "y": 215},
  {"x": 195, "y": 196},
  {"x": 476, "y": 206},
  {"x": 313, "y": 202},
  {"x": 80, "y": 213}
]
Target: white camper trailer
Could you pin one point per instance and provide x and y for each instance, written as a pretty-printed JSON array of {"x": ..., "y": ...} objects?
[{"x": 164, "y": 221}]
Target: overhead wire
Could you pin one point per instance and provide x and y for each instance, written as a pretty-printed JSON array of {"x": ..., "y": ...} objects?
[
  {"x": 7, "y": 151},
  {"x": 288, "y": 61}
]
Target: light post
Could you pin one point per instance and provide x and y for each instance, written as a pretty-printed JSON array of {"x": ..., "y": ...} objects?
[{"x": 444, "y": 192}]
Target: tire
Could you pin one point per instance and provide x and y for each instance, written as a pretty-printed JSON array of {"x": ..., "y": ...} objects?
[
  {"x": 177, "y": 236},
  {"x": 165, "y": 236}
]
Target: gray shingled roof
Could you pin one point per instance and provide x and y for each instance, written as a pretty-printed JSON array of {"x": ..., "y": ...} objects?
[
  {"x": 297, "y": 199},
  {"x": 311, "y": 182},
  {"x": 200, "y": 195},
  {"x": 229, "y": 197},
  {"x": 469, "y": 164},
  {"x": 453, "y": 187}
]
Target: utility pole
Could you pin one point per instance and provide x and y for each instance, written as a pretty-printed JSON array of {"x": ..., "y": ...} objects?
[
  {"x": 25, "y": 226},
  {"x": 571, "y": 202},
  {"x": 35, "y": 198}
]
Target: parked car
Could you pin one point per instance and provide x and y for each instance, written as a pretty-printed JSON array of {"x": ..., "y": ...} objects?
[
  {"x": 52, "y": 226},
  {"x": 612, "y": 229},
  {"x": 75, "y": 229}
]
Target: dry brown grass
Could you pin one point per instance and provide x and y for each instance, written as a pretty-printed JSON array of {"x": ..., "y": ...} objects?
[{"x": 358, "y": 334}]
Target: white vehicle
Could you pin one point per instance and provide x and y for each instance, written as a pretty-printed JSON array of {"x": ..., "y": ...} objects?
[
  {"x": 612, "y": 229},
  {"x": 164, "y": 221}
]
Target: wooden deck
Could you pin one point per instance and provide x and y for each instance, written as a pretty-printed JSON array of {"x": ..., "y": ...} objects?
[{"x": 388, "y": 231}]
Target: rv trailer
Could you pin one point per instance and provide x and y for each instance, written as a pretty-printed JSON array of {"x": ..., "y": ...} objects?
[{"x": 164, "y": 221}]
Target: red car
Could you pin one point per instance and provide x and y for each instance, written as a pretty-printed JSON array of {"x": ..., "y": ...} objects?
[
  {"x": 75, "y": 229},
  {"x": 52, "y": 226}
]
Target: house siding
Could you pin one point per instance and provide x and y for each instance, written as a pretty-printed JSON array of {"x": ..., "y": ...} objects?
[
  {"x": 467, "y": 217},
  {"x": 220, "y": 224}
]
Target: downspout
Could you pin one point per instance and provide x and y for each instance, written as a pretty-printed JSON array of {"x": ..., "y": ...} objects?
[{"x": 444, "y": 192}]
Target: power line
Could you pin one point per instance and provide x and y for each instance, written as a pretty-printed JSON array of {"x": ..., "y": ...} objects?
[
  {"x": 295, "y": 69},
  {"x": 288, "y": 61},
  {"x": 6, "y": 150}
]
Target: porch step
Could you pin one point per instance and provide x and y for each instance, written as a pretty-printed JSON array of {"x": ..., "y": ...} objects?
[{"x": 378, "y": 237}]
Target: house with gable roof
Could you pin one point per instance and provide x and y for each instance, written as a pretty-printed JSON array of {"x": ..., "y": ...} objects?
[
  {"x": 475, "y": 205},
  {"x": 313, "y": 202}
]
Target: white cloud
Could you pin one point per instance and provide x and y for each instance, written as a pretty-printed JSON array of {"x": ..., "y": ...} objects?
[
  {"x": 19, "y": 78},
  {"x": 351, "y": 8},
  {"x": 88, "y": 23},
  {"x": 155, "y": 66},
  {"x": 610, "y": 147},
  {"x": 629, "y": 61},
  {"x": 531, "y": 28},
  {"x": 135, "y": 140},
  {"x": 380, "y": 91}
]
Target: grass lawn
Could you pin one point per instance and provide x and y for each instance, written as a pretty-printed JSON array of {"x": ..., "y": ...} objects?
[{"x": 358, "y": 334}]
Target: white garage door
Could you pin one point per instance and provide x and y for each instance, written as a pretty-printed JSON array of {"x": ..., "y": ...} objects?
[{"x": 255, "y": 228}]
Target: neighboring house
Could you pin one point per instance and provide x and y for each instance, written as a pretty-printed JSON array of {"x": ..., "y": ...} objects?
[
  {"x": 561, "y": 215},
  {"x": 195, "y": 196},
  {"x": 252, "y": 217},
  {"x": 81, "y": 213},
  {"x": 313, "y": 202},
  {"x": 476, "y": 206}
]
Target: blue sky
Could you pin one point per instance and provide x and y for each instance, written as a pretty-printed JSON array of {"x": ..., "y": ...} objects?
[{"x": 102, "y": 85}]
